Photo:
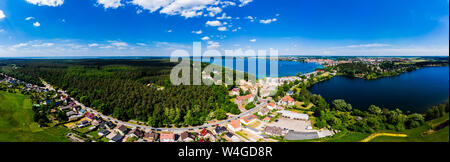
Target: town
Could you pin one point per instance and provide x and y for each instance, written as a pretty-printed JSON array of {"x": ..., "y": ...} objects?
[{"x": 262, "y": 119}]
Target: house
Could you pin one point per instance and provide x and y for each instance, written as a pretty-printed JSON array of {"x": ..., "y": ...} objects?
[
  {"x": 103, "y": 132},
  {"x": 90, "y": 115},
  {"x": 293, "y": 115},
  {"x": 62, "y": 108},
  {"x": 286, "y": 101},
  {"x": 70, "y": 113},
  {"x": 110, "y": 125},
  {"x": 271, "y": 106},
  {"x": 150, "y": 136},
  {"x": 267, "y": 119},
  {"x": 220, "y": 129},
  {"x": 248, "y": 119},
  {"x": 117, "y": 138},
  {"x": 234, "y": 125},
  {"x": 83, "y": 123},
  {"x": 273, "y": 131},
  {"x": 252, "y": 130},
  {"x": 122, "y": 129},
  {"x": 187, "y": 137},
  {"x": 241, "y": 100},
  {"x": 233, "y": 137},
  {"x": 263, "y": 112},
  {"x": 207, "y": 134},
  {"x": 167, "y": 137},
  {"x": 136, "y": 133}
]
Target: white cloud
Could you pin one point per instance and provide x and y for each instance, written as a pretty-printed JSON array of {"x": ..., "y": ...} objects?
[
  {"x": 244, "y": 2},
  {"x": 252, "y": 40},
  {"x": 110, "y": 3},
  {"x": 141, "y": 44},
  {"x": 36, "y": 24},
  {"x": 93, "y": 45},
  {"x": 152, "y": 5},
  {"x": 205, "y": 38},
  {"x": 213, "y": 11},
  {"x": 197, "y": 32},
  {"x": 43, "y": 45},
  {"x": 222, "y": 28},
  {"x": 369, "y": 45},
  {"x": 20, "y": 45},
  {"x": 268, "y": 21},
  {"x": 169, "y": 31},
  {"x": 29, "y": 18},
  {"x": 187, "y": 8},
  {"x": 213, "y": 23},
  {"x": 53, "y": 3},
  {"x": 2, "y": 15},
  {"x": 224, "y": 16},
  {"x": 212, "y": 44},
  {"x": 118, "y": 44}
]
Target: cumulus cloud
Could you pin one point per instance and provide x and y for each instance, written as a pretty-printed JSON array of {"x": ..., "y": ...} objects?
[
  {"x": 205, "y": 38},
  {"x": 109, "y": 3},
  {"x": 212, "y": 44},
  {"x": 36, "y": 24},
  {"x": 244, "y": 2},
  {"x": 213, "y": 23},
  {"x": 20, "y": 45},
  {"x": 2, "y": 15},
  {"x": 118, "y": 44},
  {"x": 222, "y": 28},
  {"x": 93, "y": 45},
  {"x": 197, "y": 32},
  {"x": 185, "y": 8},
  {"x": 224, "y": 16},
  {"x": 52, "y": 3},
  {"x": 268, "y": 21},
  {"x": 29, "y": 18},
  {"x": 43, "y": 45},
  {"x": 252, "y": 40}
]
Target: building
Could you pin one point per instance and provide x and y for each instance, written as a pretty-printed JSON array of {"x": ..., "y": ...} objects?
[
  {"x": 167, "y": 137},
  {"x": 293, "y": 115},
  {"x": 267, "y": 119},
  {"x": 263, "y": 112},
  {"x": 136, "y": 133},
  {"x": 292, "y": 135},
  {"x": 289, "y": 93},
  {"x": 122, "y": 129},
  {"x": 103, "y": 132},
  {"x": 234, "y": 125},
  {"x": 235, "y": 91},
  {"x": 151, "y": 136},
  {"x": 219, "y": 130},
  {"x": 271, "y": 106},
  {"x": 248, "y": 119},
  {"x": 117, "y": 138},
  {"x": 187, "y": 137},
  {"x": 232, "y": 137},
  {"x": 241, "y": 100},
  {"x": 287, "y": 101}
]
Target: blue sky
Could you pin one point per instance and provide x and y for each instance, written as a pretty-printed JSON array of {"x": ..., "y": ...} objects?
[{"x": 158, "y": 27}]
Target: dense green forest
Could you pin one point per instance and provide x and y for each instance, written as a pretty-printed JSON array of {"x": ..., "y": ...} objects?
[{"x": 119, "y": 88}]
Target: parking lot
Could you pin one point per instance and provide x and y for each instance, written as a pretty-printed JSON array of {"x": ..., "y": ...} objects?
[{"x": 296, "y": 125}]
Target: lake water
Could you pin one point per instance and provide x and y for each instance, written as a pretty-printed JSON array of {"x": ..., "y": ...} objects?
[
  {"x": 414, "y": 91},
  {"x": 285, "y": 68}
]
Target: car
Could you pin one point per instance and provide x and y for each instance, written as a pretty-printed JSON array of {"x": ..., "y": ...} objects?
[
  {"x": 158, "y": 129},
  {"x": 153, "y": 129},
  {"x": 190, "y": 129}
]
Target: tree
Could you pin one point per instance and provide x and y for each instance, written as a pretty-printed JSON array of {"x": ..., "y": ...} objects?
[{"x": 341, "y": 105}]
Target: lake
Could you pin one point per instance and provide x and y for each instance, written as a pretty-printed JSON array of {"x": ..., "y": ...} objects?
[
  {"x": 285, "y": 68},
  {"x": 414, "y": 91}
]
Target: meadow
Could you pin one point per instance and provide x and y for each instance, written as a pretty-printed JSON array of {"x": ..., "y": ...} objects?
[{"x": 17, "y": 125}]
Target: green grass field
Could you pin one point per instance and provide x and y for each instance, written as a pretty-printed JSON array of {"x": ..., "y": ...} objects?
[
  {"x": 16, "y": 122},
  {"x": 416, "y": 134}
]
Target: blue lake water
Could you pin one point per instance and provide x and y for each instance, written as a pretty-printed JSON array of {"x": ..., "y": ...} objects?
[
  {"x": 285, "y": 68},
  {"x": 414, "y": 91}
]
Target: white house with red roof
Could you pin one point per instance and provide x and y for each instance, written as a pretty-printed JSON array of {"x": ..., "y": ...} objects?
[
  {"x": 287, "y": 101},
  {"x": 234, "y": 125}
]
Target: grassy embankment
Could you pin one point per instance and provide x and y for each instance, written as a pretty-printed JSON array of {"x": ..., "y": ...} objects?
[{"x": 17, "y": 125}]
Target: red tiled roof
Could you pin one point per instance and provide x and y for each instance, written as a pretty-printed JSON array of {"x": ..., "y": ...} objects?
[
  {"x": 244, "y": 97},
  {"x": 235, "y": 123},
  {"x": 287, "y": 98}
]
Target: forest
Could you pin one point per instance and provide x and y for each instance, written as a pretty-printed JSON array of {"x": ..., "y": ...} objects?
[{"x": 129, "y": 89}]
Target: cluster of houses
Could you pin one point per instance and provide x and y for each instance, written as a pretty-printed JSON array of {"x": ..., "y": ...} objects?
[{"x": 27, "y": 87}]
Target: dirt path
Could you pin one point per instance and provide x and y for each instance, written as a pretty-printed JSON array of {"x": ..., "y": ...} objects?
[{"x": 372, "y": 136}]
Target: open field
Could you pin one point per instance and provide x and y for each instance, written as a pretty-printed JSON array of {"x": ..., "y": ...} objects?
[
  {"x": 17, "y": 125},
  {"x": 416, "y": 134}
]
